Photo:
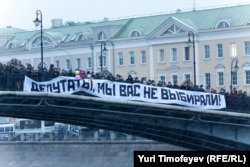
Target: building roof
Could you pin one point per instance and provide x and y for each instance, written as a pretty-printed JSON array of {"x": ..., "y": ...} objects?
[
  {"x": 9, "y": 31},
  {"x": 196, "y": 19}
]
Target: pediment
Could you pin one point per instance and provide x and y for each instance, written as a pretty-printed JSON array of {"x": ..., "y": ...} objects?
[
  {"x": 219, "y": 66},
  {"x": 246, "y": 64},
  {"x": 171, "y": 26},
  {"x": 174, "y": 68}
]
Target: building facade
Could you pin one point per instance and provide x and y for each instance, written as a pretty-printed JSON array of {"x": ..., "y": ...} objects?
[{"x": 151, "y": 47}]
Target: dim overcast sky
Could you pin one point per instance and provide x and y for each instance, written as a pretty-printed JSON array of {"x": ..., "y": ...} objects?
[{"x": 21, "y": 13}]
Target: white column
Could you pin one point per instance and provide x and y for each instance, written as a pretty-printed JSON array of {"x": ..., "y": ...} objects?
[{"x": 151, "y": 61}]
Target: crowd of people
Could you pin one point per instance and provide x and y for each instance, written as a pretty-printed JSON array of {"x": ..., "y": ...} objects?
[{"x": 12, "y": 76}]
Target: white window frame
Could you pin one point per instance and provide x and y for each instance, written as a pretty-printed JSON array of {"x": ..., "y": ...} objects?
[
  {"x": 174, "y": 54},
  {"x": 160, "y": 56},
  {"x": 143, "y": 57},
  {"x": 120, "y": 59}
]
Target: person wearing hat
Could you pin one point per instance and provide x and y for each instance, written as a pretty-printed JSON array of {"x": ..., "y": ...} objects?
[{"x": 201, "y": 88}]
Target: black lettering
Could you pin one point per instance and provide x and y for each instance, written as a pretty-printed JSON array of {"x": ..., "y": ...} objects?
[
  {"x": 56, "y": 87},
  {"x": 215, "y": 100},
  {"x": 49, "y": 88},
  {"x": 183, "y": 96},
  {"x": 164, "y": 94},
  {"x": 78, "y": 83},
  {"x": 197, "y": 99},
  {"x": 190, "y": 99},
  {"x": 178, "y": 96},
  {"x": 146, "y": 92},
  {"x": 203, "y": 100},
  {"x": 122, "y": 90},
  {"x": 136, "y": 94},
  {"x": 108, "y": 90},
  {"x": 129, "y": 90},
  {"x": 34, "y": 87},
  {"x": 71, "y": 85},
  {"x": 100, "y": 87},
  {"x": 172, "y": 95},
  {"x": 153, "y": 93},
  {"x": 86, "y": 85},
  {"x": 63, "y": 85},
  {"x": 114, "y": 89},
  {"x": 41, "y": 88}
]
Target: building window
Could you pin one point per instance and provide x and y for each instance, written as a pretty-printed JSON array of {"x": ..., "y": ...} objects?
[
  {"x": 101, "y": 36},
  {"x": 81, "y": 37},
  {"x": 89, "y": 62},
  {"x": 64, "y": 38},
  {"x": 78, "y": 63},
  {"x": 187, "y": 77},
  {"x": 162, "y": 78},
  {"x": 247, "y": 48},
  {"x": 143, "y": 57},
  {"x": 174, "y": 55},
  {"x": 247, "y": 75},
  {"x": 174, "y": 78},
  {"x": 233, "y": 50},
  {"x": 46, "y": 42},
  {"x": 11, "y": 45},
  {"x": 219, "y": 50},
  {"x": 135, "y": 33},
  {"x": 132, "y": 58},
  {"x": 187, "y": 54},
  {"x": 234, "y": 78},
  {"x": 120, "y": 59},
  {"x": 222, "y": 24},
  {"x": 220, "y": 79},
  {"x": 208, "y": 79},
  {"x": 206, "y": 52},
  {"x": 161, "y": 56},
  {"x": 68, "y": 66},
  {"x": 57, "y": 64}
]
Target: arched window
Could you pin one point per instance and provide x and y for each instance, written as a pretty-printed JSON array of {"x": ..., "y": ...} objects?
[
  {"x": 135, "y": 33},
  {"x": 101, "y": 36},
  {"x": 132, "y": 73},
  {"x": 81, "y": 37},
  {"x": 46, "y": 42},
  {"x": 11, "y": 45},
  {"x": 222, "y": 24},
  {"x": 64, "y": 38}
]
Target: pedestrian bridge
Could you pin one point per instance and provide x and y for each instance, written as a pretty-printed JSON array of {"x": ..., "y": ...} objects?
[{"x": 193, "y": 128}]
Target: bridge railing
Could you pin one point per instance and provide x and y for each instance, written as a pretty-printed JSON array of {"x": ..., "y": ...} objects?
[{"x": 14, "y": 82}]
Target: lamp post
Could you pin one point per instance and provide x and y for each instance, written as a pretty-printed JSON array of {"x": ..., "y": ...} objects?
[
  {"x": 191, "y": 43},
  {"x": 233, "y": 69},
  {"x": 104, "y": 51},
  {"x": 38, "y": 22}
]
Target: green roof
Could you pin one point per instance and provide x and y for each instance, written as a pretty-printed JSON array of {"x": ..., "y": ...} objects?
[
  {"x": 9, "y": 31},
  {"x": 198, "y": 20}
]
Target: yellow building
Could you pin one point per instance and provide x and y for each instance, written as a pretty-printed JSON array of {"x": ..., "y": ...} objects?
[{"x": 151, "y": 47}]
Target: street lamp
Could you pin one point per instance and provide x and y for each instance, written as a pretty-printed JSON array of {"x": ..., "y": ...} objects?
[
  {"x": 104, "y": 51},
  {"x": 38, "y": 22},
  {"x": 233, "y": 69},
  {"x": 191, "y": 43}
]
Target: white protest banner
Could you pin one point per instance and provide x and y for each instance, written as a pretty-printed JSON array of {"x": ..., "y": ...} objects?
[{"x": 125, "y": 91}]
